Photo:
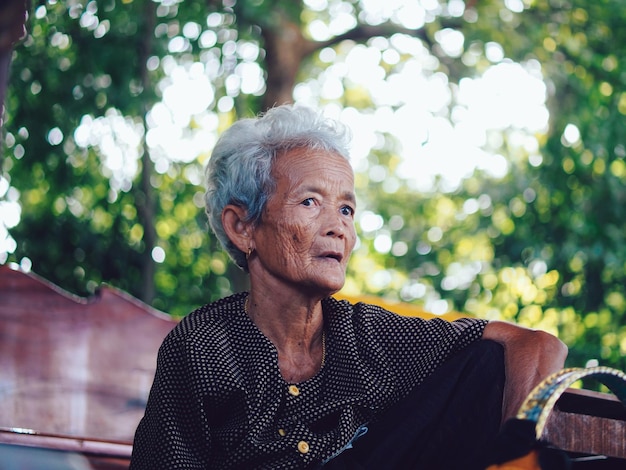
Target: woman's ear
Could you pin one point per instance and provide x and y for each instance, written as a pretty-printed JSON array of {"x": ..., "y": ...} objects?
[{"x": 238, "y": 230}]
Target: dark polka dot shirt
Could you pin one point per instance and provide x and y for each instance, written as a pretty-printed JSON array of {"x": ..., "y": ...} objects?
[{"x": 219, "y": 401}]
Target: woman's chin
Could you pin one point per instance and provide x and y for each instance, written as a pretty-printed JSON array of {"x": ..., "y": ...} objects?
[
  {"x": 325, "y": 286},
  {"x": 332, "y": 286}
]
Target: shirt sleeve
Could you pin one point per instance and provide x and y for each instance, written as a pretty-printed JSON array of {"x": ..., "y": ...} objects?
[
  {"x": 414, "y": 347},
  {"x": 171, "y": 434}
]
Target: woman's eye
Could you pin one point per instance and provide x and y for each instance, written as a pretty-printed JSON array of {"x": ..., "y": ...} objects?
[
  {"x": 308, "y": 201},
  {"x": 347, "y": 210}
]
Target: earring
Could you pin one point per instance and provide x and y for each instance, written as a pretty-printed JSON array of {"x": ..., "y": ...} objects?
[{"x": 248, "y": 253}]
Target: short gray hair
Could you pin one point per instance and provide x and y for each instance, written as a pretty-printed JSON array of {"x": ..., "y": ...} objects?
[{"x": 239, "y": 170}]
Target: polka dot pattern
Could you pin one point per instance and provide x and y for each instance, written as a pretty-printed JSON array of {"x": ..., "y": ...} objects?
[{"x": 219, "y": 401}]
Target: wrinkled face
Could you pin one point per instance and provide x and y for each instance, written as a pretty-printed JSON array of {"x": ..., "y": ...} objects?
[{"x": 306, "y": 233}]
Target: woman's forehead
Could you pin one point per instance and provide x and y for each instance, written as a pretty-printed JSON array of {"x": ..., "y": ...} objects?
[{"x": 310, "y": 159}]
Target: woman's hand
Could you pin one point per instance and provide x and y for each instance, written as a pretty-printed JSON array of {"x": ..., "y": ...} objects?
[{"x": 529, "y": 357}]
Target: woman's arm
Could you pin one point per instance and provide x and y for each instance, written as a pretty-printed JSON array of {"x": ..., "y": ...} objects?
[
  {"x": 529, "y": 357},
  {"x": 172, "y": 433}
]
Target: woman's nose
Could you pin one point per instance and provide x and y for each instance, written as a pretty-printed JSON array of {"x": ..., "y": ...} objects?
[{"x": 334, "y": 224}]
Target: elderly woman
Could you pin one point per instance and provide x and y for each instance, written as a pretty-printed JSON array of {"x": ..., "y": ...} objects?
[{"x": 286, "y": 376}]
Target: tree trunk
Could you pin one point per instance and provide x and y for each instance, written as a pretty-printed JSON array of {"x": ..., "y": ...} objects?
[
  {"x": 145, "y": 201},
  {"x": 285, "y": 49}
]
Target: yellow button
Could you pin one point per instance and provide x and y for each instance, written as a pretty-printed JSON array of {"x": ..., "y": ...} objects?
[
  {"x": 282, "y": 432},
  {"x": 293, "y": 390},
  {"x": 303, "y": 447}
]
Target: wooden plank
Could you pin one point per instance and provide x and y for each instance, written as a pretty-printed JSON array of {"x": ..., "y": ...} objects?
[
  {"x": 587, "y": 422},
  {"x": 109, "y": 449},
  {"x": 75, "y": 366}
]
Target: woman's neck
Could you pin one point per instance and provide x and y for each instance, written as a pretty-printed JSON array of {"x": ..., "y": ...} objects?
[{"x": 295, "y": 325}]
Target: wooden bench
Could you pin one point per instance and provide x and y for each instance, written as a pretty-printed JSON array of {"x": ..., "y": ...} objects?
[
  {"x": 75, "y": 375},
  {"x": 589, "y": 425}
]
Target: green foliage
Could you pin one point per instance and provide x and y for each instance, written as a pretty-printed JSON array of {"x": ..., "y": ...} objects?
[
  {"x": 544, "y": 246},
  {"x": 575, "y": 223}
]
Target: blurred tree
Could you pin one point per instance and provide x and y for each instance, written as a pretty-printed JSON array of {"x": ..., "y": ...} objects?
[
  {"x": 89, "y": 172},
  {"x": 74, "y": 63},
  {"x": 574, "y": 220},
  {"x": 545, "y": 245},
  {"x": 104, "y": 163}
]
